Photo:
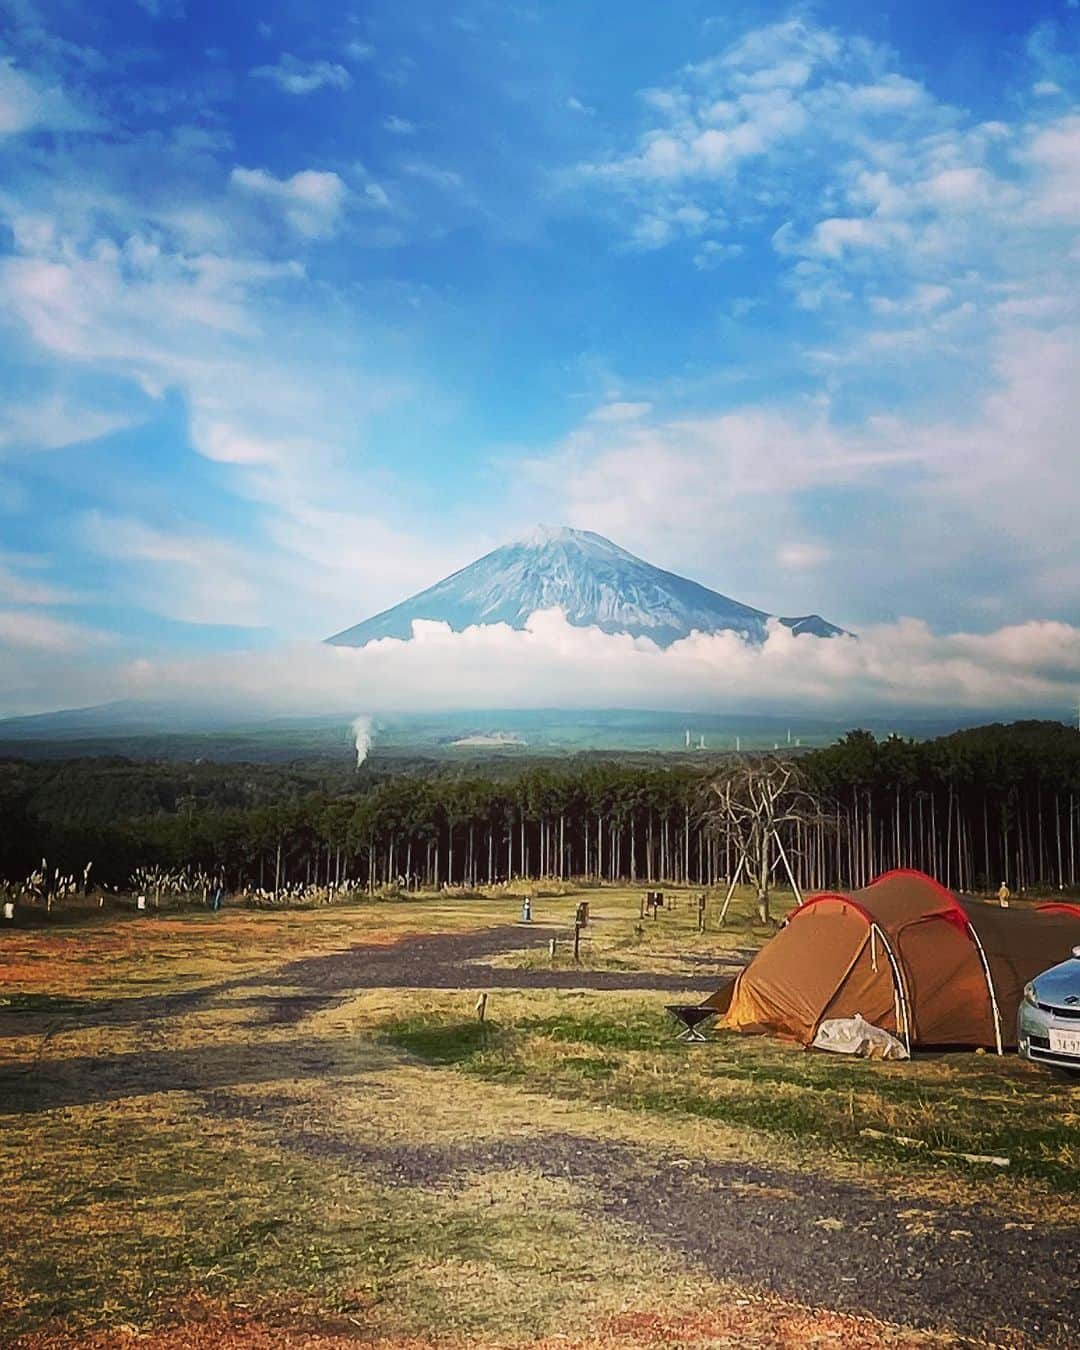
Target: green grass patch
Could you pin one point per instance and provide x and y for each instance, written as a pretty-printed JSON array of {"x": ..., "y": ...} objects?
[
  {"x": 644, "y": 1031},
  {"x": 438, "y": 1042},
  {"x": 958, "y": 1104}
]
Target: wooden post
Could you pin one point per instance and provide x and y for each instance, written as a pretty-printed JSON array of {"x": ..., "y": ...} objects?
[
  {"x": 701, "y": 913},
  {"x": 577, "y": 942},
  {"x": 551, "y": 949},
  {"x": 481, "y": 1006}
]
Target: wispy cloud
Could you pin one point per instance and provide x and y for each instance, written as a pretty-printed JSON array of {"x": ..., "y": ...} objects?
[
  {"x": 295, "y": 76},
  {"x": 20, "y": 586},
  {"x": 181, "y": 573},
  {"x": 21, "y": 628},
  {"x": 29, "y": 103},
  {"x": 826, "y": 319},
  {"x": 311, "y": 201},
  {"x": 53, "y": 421}
]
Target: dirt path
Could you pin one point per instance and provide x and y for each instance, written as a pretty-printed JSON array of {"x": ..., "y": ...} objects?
[
  {"x": 420, "y": 961},
  {"x": 457, "y": 961},
  {"x": 808, "y": 1238},
  {"x": 819, "y": 1242}
]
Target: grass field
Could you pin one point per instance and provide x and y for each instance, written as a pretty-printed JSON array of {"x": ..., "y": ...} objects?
[{"x": 241, "y": 1130}]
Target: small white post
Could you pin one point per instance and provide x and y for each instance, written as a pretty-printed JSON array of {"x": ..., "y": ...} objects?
[
  {"x": 787, "y": 865},
  {"x": 731, "y": 889}
]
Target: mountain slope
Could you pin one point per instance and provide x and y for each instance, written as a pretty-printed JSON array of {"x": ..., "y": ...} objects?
[{"x": 593, "y": 581}]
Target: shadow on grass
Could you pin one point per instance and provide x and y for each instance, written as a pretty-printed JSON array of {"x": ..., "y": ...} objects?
[
  {"x": 85, "y": 1080},
  {"x": 757, "y": 1085}
]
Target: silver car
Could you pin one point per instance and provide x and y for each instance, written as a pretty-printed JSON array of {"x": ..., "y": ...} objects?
[{"x": 1048, "y": 1027}]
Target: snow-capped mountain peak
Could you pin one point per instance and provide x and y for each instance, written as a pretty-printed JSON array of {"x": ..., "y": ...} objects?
[{"x": 592, "y": 580}]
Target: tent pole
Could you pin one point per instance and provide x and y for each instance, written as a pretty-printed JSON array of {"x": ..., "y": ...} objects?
[
  {"x": 731, "y": 888},
  {"x": 787, "y": 865},
  {"x": 902, "y": 998},
  {"x": 989, "y": 985}
]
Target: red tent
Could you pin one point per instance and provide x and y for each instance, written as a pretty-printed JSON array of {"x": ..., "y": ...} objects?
[{"x": 933, "y": 967}]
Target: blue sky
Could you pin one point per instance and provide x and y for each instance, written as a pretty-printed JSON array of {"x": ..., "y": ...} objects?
[{"x": 302, "y": 307}]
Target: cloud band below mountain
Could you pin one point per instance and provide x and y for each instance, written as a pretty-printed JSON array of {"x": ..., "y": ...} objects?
[{"x": 1033, "y": 667}]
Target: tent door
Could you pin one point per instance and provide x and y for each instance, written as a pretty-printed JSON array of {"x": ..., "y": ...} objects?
[{"x": 903, "y": 1021}]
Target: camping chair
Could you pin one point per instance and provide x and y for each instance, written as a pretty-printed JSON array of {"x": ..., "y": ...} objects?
[{"x": 691, "y": 1017}]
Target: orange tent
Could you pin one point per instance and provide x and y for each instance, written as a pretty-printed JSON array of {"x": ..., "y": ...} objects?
[{"x": 932, "y": 967}]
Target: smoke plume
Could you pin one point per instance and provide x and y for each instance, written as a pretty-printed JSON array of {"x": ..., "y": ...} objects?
[{"x": 364, "y": 736}]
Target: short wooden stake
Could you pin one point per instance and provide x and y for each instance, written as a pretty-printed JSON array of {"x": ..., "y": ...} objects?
[
  {"x": 577, "y": 941},
  {"x": 481, "y": 1006},
  {"x": 551, "y": 948}
]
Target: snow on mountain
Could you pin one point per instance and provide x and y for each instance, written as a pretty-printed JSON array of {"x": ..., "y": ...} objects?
[{"x": 593, "y": 581}]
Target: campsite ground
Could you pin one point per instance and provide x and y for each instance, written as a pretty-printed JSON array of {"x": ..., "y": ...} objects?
[{"x": 289, "y": 1128}]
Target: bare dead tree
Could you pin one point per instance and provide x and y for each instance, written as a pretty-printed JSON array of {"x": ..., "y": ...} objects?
[{"x": 762, "y": 807}]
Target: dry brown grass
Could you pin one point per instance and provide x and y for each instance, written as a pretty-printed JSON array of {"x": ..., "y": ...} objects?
[
  {"x": 740, "y": 1320},
  {"x": 134, "y": 1212}
]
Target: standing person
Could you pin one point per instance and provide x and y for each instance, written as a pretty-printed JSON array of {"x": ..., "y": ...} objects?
[{"x": 1004, "y": 896}]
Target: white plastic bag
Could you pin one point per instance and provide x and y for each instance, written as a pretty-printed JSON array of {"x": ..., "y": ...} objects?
[{"x": 856, "y": 1036}]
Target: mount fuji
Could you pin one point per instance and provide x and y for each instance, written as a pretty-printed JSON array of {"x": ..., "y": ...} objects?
[{"x": 593, "y": 581}]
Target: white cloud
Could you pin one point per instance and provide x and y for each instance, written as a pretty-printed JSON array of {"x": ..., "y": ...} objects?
[
  {"x": 189, "y": 576},
  {"x": 17, "y": 588},
  {"x": 656, "y": 229},
  {"x": 904, "y": 665},
  {"x": 311, "y": 201},
  {"x": 51, "y": 422},
  {"x": 800, "y": 555},
  {"x": 620, "y": 412},
  {"x": 399, "y": 126},
  {"x": 432, "y": 173},
  {"x": 375, "y": 196},
  {"x": 792, "y": 509},
  {"x": 713, "y": 253},
  {"x": 297, "y": 77},
  {"x": 23, "y": 629},
  {"x": 28, "y": 103},
  {"x": 1054, "y": 156},
  {"x": 142, "y": 280}
]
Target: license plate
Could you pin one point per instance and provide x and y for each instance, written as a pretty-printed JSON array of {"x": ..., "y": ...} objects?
[{"x": 1065, "y": 1042}]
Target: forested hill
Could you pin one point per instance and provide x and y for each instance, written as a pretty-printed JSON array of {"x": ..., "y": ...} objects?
[{"x": 974, "y": 807}]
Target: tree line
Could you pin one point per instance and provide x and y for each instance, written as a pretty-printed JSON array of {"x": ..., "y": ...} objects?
[{"x": 990, "y": 804}]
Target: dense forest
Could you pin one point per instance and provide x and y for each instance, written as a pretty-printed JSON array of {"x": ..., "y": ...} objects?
[{"x": 974, "y": 808}]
